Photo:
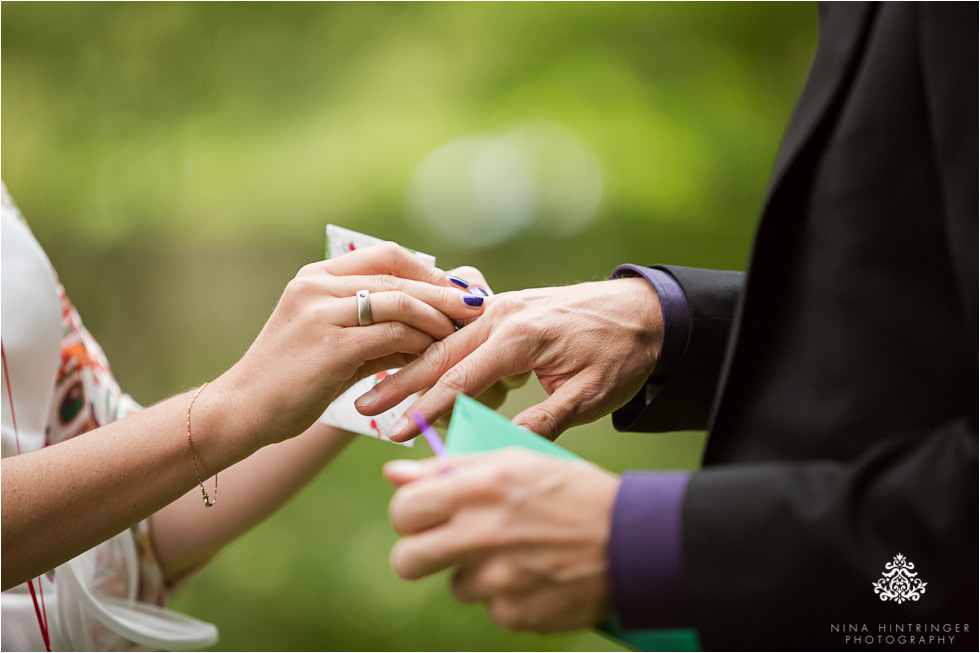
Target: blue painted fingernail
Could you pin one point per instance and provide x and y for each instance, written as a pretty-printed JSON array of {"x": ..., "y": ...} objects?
[
  {"x": 474, "y": 301},
  {"x": 462, "y": 283},
  {"x": 480, "y": 290}
]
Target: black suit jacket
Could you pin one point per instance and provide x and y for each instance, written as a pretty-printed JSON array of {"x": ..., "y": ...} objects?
[{"x": 838, "y": 378}]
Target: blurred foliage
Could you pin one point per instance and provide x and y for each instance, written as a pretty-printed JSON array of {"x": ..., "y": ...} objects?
[{"x": 178, "y": 163}]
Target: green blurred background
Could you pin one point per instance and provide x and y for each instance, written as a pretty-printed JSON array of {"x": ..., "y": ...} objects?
[{"x": 179, "y": 161}]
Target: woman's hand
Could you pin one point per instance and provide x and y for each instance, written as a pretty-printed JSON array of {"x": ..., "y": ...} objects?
[
  {"x": 308, "y": 352},
  {"x": 185, "y": 536},
  {"x": 312, "y": 349}
]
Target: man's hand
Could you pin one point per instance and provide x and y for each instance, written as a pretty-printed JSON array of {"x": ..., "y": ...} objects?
[
  {"x": 472, "y": 281},
  {"x": 527, "y": 534},
  {"x": 592, "y": 346}
]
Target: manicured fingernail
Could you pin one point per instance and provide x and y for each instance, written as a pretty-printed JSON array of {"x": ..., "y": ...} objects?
[
  {"x": 367, "y": 398},
  {"x": 395, "y": 432},
  {"x": 478, "y": 289},
  {"x": 474, "y": 301},
  {"x": 462, "y": 283}
]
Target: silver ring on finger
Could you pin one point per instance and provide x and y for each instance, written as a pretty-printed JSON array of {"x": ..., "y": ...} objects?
[{"x": 364, "y": 317}]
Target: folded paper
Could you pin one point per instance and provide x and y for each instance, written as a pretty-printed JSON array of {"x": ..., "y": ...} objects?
[{"x": 341, "y": 413}]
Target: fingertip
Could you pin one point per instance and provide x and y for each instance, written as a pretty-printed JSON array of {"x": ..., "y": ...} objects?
[
  {"x": 366, "y": 400},
  {"x": 394, "y": 559},
  {"x": 530, "y": 423},
  {"x": 470, "y": 273},
  {"x": 402, "y": 471},
  {"x": 462, "y": 283},
  {"x": 404, "y": 560},
  {"x": 473, "y": 300},
  {"x": 400, "y": 430}
]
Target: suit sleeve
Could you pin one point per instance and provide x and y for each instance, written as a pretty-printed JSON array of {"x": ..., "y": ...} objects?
[
  {"x": 784, "y": 555},
  {"x": 682, "y": 400},
  {"x": 806, "y": 541}
]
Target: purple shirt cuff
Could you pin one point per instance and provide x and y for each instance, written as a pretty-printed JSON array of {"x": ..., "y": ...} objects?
[
  {"x": 675, "y": 310},
  {"x": 646, "y": 550}
]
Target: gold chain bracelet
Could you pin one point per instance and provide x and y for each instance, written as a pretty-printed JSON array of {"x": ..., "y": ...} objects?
[{"x": 208, "y": 501}]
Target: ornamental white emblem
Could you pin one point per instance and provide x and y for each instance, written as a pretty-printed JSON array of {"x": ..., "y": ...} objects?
[{"x": 899, "y": 583}]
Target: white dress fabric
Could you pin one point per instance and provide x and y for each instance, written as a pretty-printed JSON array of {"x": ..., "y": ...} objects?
[{"x": 110, "y": 597}]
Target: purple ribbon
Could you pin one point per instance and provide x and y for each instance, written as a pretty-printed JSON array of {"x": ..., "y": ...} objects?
[{"x": 431, "y": 436}]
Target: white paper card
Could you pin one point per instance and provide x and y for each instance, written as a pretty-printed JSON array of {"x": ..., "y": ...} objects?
[{"x": 341, "y": 413}]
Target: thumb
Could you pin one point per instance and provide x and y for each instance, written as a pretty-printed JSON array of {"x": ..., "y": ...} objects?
[{"x": 555, "y": 414}]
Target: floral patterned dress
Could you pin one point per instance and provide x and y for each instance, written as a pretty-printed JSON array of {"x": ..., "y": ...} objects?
[{"x": 57, "y": 385}]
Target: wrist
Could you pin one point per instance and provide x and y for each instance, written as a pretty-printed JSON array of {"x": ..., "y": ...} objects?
[
  {"x": 674, "y": 313},
  {"x": 227, "y": 426},
  {"x": 643, "y": 314}
]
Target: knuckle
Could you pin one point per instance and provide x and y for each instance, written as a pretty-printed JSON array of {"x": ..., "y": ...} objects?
[
  {"x": 522, "y": 328},
  {"x": 310, "y": 269},
  {"x": 507, "y": 302},
  {"x": 497, "y": 310},
  {"x": 402, "y": 303},
  {"x": 390, "y": 282},
  {"x": 439, "y": 356},
  {"x": 499, "y": 477},
  {"x": 454, "y": 381},
  {"x": 392, "y": 330},
  {"x": 300, "y": 286},
  {"x": 490, "y": 481},
  {"x": 391, "y": 248},
  {"x": 391, "y": 383},
  {"x": 549, "y": 423},
  {"x": 500, "y": 578},
  {"x": 397, "y": 332},
  {"x": 507, "y": 614}
]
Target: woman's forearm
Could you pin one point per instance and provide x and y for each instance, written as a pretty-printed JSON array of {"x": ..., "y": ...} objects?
[
  {"x": 64, "y": 499},
  {"x": 186, "y": 534}
]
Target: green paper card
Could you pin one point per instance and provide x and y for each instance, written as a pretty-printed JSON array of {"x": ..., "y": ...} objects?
[{"x": 475, "y": 428}]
